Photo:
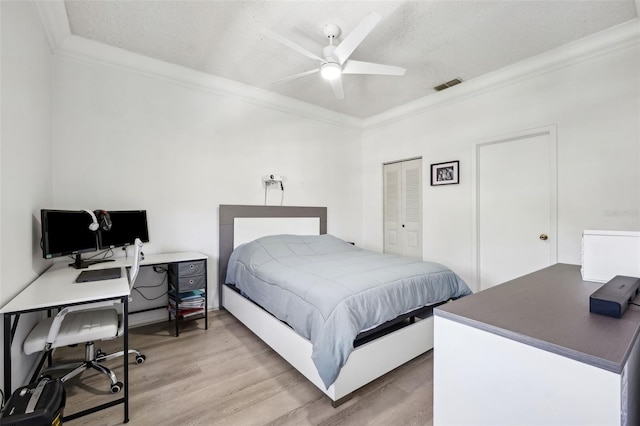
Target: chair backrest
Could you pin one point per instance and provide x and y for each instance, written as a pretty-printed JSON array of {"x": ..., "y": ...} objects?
[{"x": 135, "y": 266}]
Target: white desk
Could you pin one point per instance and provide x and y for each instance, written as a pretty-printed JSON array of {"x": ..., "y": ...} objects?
[{"x": 57, "y": 288}]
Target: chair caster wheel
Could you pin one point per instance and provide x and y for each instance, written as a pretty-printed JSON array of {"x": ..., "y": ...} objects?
[
  {"x": 117, "y": 387},
  {"x": 140, "y": 359}
]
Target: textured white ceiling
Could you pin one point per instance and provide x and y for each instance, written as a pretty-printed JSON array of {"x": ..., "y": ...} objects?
[{"x": 435, "y": 40}]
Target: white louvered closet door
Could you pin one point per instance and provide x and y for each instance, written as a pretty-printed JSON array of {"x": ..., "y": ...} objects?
[
  {"x": 392, "y": 208},
  {"x": 403, "y": 208}
]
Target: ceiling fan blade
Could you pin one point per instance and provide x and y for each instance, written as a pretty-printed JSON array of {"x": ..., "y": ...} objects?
[
  {"x": 359, "y": 67},
  {"x": 293, "y": 77},
  {"x": 336, "y": 85},
  {"x": 292, "y": 45},
  {"x": 353, "y": 40}
]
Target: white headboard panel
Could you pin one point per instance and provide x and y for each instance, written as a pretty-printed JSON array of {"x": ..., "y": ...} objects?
[{"x": 247, "y": 229}]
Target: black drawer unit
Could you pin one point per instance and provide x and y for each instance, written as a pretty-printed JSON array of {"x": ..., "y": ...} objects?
[
  {"x": 190, "y": 283},
  {"x": 188, "y": 291},
  {"x": 188, "y": 269}
]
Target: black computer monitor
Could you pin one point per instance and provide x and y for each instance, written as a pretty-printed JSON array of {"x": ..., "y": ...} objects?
[
  {"x": 126, "y": 226},
  {"x": 66, "y": 232}
]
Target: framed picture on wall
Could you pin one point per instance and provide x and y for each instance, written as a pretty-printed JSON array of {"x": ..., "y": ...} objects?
[{"x": 445, "y": 173}]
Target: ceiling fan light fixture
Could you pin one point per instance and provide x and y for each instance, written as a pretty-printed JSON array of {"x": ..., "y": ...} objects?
[{"x": 330, "y": 71}]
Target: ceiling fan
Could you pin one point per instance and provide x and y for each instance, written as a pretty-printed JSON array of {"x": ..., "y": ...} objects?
[{"x": 334, "y": 60}]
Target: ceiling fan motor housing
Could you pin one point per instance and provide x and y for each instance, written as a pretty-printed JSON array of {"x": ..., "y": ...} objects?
[{"x": 331, "y": 31}]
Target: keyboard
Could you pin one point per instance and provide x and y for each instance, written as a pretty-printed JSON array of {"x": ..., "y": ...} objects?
[{"x": 99, "y": 275}]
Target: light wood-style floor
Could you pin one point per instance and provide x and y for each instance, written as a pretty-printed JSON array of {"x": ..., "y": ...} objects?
[{"x": 227, "y": 376}]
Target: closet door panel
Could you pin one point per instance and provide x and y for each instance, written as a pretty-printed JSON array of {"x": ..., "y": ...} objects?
[
  {"x": 393, "y": 208},
  {"x": 403, "y": 208}
]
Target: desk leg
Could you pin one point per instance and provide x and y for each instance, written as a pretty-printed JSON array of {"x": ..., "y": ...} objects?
[
  {"x": 7, "y": 356},
  {"x": 125, "y": 315},
  {"x": 206, "y": 314},
  {"x": 206, "y": 297}
]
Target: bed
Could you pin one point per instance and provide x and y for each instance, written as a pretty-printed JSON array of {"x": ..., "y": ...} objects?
[{"x": 376, "y": 308}]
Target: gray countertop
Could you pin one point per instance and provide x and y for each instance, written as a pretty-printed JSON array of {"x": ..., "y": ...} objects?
[{"x": 549, "y": 309}]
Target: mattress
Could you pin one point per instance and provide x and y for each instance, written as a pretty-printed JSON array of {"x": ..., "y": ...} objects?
[{"x": 328, "y": 290}]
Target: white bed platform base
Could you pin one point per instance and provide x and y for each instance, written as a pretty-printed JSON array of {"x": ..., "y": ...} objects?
[{"x": 365, "y": 364}]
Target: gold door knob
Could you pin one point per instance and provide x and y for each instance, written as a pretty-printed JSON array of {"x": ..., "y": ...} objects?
[{"x": 544, "y": 237}]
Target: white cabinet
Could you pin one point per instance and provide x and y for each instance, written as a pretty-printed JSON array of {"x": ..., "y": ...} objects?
[
  {"x": 482, "y": 378},
  {"x": 606, "y": 254}
]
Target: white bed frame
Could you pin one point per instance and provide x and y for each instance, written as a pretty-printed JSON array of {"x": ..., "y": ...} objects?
[{"x": 366, "y": 363}]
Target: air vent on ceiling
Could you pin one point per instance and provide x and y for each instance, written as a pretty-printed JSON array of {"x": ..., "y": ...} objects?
[{"x": 448, "y": 84}]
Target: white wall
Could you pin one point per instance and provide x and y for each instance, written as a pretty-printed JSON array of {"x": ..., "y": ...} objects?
[
  {"x": 25, "y": 155},
  {"x": 120, "y": 139},
  {"x": 125, "y": 140},
  {"x": 595, "y": 105}
]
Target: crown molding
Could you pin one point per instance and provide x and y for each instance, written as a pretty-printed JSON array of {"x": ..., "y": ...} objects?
[
  {"x": 101, "y": 54},
  {"x": 63, "y": 43},
  {"x": 602, "y": 43},
  {"x": 56, "y": 23}
]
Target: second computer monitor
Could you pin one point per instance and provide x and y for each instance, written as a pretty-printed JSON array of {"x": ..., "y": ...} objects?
[{"x": 126, "y": 226}]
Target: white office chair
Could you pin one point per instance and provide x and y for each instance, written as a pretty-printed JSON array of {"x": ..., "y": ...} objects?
[{"x": 85, "y": 324}]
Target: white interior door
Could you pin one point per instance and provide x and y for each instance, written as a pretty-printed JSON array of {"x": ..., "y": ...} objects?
[
  {"x": 515, "y": 206},
  {"x": 403, "y": 208}
]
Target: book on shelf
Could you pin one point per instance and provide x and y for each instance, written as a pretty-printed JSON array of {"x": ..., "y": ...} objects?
[
  {"x": 185, "y": 313},
  {"x": 192, "y": 313},
  {"x": 199, "y": 303},
  {"x": 189, "y": 294}
]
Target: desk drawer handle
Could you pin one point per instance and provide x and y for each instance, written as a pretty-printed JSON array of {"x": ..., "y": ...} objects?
[
  {"x": 190, "y": 281},
  {"x": 192, "y": 266}
]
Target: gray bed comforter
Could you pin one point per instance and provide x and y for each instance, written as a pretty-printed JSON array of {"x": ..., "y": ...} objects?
[{"x": 328, "y": 290}]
